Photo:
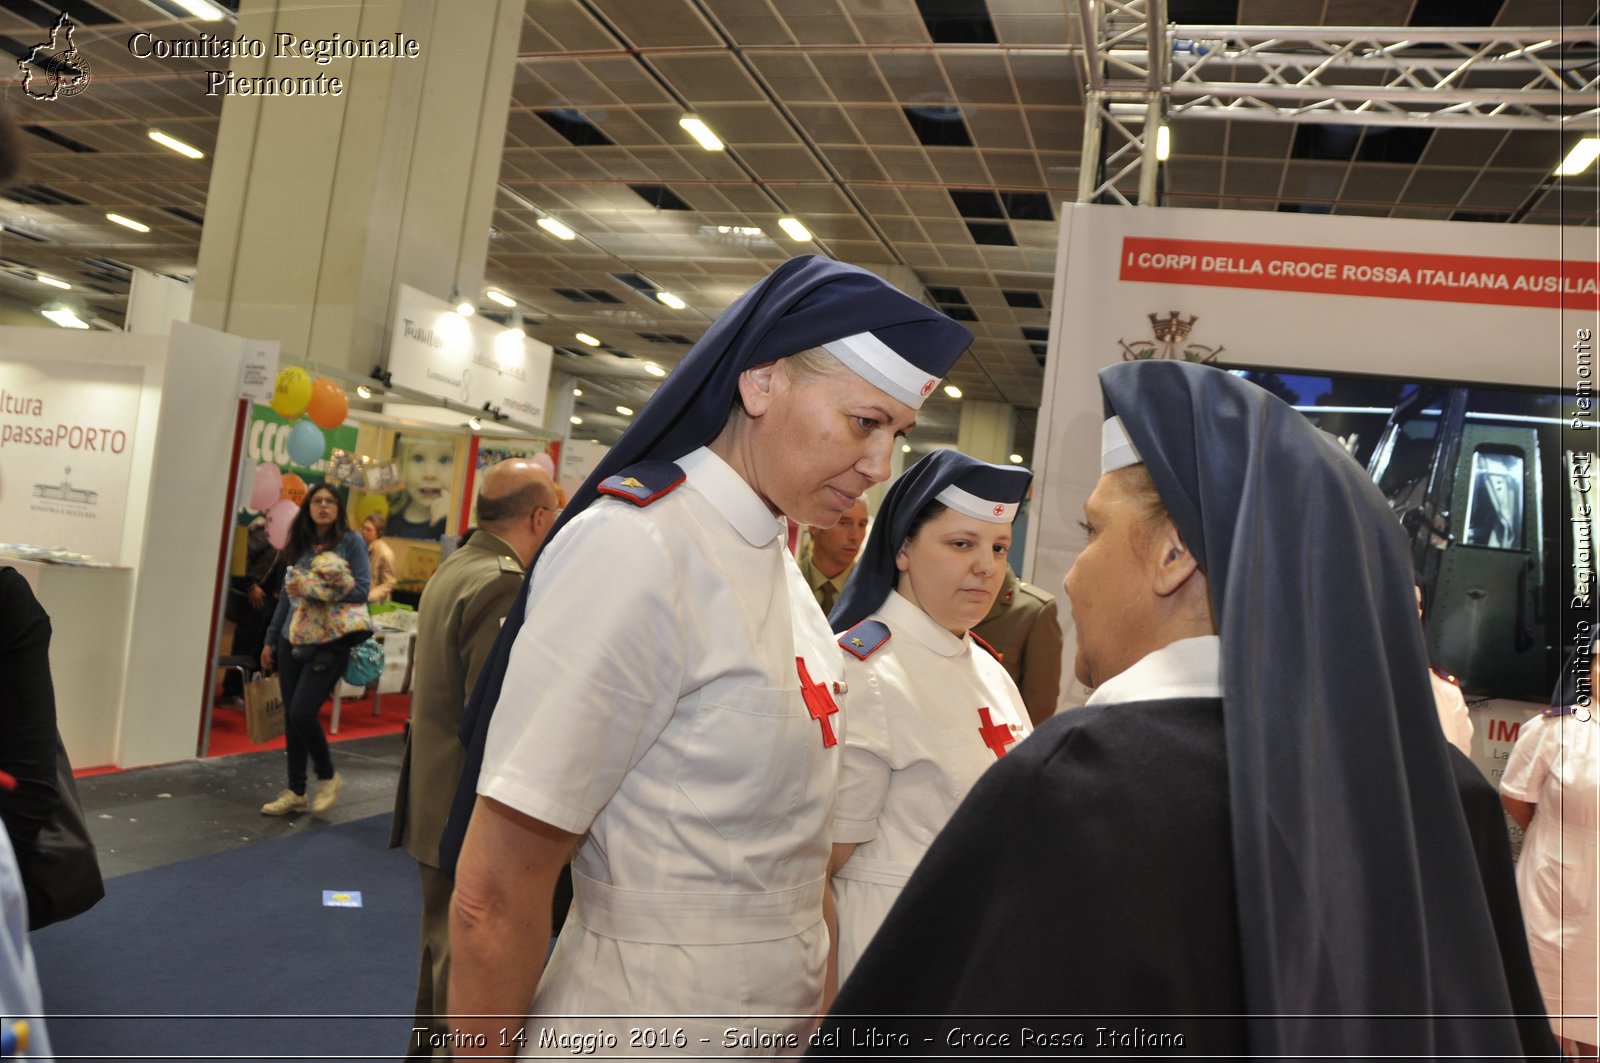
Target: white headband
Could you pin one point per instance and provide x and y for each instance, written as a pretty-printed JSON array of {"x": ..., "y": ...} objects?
[
  {"x": 973, "y": 506},
  {"x": 1116, "y": 449},
  {"x": 882, "y": 366}
]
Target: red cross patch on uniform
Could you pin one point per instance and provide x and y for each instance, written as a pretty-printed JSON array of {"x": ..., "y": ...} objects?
[
  {"x": 997, "y": 736},
  {"x": 818, "y": 702}
]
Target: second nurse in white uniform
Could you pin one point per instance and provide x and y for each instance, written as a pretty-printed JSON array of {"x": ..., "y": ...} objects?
[{"x": 930, "y": 705}]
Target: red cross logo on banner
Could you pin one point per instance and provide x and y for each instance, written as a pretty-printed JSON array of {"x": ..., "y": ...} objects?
[
  {"x": 995, "y": 735},
  {"x": 818, "y": 703}
]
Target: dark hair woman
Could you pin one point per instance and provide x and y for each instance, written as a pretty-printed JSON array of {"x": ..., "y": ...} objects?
[{"x": 309, "y": 670}]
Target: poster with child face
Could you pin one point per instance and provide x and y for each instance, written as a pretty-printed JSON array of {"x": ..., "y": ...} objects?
[{"x": 428, "y": 471}]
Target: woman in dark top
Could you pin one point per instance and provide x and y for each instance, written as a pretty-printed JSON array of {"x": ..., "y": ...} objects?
[{"x": 308, "y": 673}]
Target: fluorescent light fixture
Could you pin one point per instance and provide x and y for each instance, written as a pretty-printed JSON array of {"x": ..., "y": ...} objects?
[
  {"x": 1163, "y": 144},
  {"x": 176, "y": 145},
  {"x": 577, "y": 392},
  {"x": 584, "y": 337},
  {"x": 905, "y": 448},
  {"x": 671, "y": 300},
  {"x": 1580, "y": 158},
  {"x": 625, "y": 411},
  {"x": 474, "y": 424},
  {"x": 128, "y": 223},
  {"x": 500, "y": 297},
  {"x": 556, "y": 229},
  {"x": 364, "y": 391},
  {"x": 203, "y": 10},
  {"x": 953, "y": 391},
  {"x": 795, "y": 230},
  {"x": 654, "y": 370},
  {"x": 52, "y": 281},
  {"x": 1016, "y": 459},
  {"x": 64, "y": 317},
  {"x": 701, "y": 132},
  {"x": 575, "y": 419}
]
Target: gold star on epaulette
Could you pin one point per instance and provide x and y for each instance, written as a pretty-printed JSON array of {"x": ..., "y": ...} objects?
[
  {"x": 631, "y": 482},
  {"x": 857, "y": 643}
]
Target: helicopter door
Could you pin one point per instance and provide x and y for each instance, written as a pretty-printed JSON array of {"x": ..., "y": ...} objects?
[{"x": 1488, "y": 622}]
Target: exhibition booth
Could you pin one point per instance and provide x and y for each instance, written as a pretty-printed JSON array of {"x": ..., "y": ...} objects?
[{"x": 1453, "y": 360}]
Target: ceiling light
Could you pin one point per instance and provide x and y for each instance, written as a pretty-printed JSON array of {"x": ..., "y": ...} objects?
[
  {"x": 1016, "y": 459},
  {"x": 1580, "y": 158},
  {"x": 461, "y": 303},
  {"x": 364, "y": 391},
  {"x": 176, "y": 145},
  {"x": 202, "y": 9},
  {"x": 500, "y": 297},
  {"x": 701, "y": 132},
  {"x": 514, "y": 325},
  {"x": 624, "y": 411},
  {"x": 654, "y": 370},
  {"x": 575, "y": 419},
  {"x": 63, "y": 316},
  {"x": 1163, "y": 144},
  {"x": 578, "y": 392},
  {"x": 671, "y": 300},
  {"x": 584, "y": 337},
  {"x": 128, "y": 223},
  {"x": 905, "y": 448},
  {"x": 52, "y": 281},
  {"x": 474, "y": 424},
  {"x": 556, "y": 229},
  {"x": 953, "y": 391},
  {"x": 795, "y": 230}
]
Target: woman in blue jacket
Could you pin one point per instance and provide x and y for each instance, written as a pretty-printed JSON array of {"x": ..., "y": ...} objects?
[{"x": 308, "y": 672}]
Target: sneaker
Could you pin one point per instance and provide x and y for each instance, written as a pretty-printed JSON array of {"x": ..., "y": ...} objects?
[
  {"x": 327, "y": 794},
  {"x": 284, "y": 804}
]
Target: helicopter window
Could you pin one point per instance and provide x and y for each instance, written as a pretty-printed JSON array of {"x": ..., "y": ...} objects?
[
  {"x": 1494, "y": 499},
  {"x": 1405, "y": 455}
]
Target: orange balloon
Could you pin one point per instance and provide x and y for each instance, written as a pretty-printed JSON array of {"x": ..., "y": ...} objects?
[
  {"x": 328, "y": 404},
  {"x": 294, "y": 488}
]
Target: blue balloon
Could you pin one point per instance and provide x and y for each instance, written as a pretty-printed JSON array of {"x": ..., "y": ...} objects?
[{"x": 305, "y": 443}]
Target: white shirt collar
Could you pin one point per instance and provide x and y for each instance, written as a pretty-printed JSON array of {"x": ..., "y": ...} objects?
[
  {"x": 731, "y": 496},
  {"x": 1188, "y": 668},
  {"x": 904, "y": 615}
]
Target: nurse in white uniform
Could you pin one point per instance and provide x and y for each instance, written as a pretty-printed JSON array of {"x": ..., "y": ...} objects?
[
  {"x": 667, "y": 698},
  {"x": 930, "y": 705}
]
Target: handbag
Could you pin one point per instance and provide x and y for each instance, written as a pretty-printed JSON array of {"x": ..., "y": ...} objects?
[
  {"x": 263, "y": 709},
  {"x": 60, "y": 872},
  {"x": 365, "y": 664}
]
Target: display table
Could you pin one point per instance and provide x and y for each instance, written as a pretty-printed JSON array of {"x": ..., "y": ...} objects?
[{"x": 90, "y": 610}]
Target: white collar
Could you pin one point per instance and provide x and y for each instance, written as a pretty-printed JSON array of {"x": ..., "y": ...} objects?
[
  {"x": 904, "y": 615},
  {"x": 1188, "y": 668},
  {"x": 731, "y": 496}
]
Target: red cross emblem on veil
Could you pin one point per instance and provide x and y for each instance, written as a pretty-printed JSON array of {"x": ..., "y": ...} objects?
[
  {"x": 819, "y": 703},
  {"x": 995, "y": 735}
]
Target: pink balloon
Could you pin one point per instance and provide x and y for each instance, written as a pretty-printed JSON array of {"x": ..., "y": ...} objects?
[
  {"x": 267, "y": 487},
  {"x": 543, "y": 461},
  {"x": 279, "y": 517}
]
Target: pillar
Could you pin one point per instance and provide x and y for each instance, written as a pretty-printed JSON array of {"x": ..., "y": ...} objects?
[{"x": 986, "y": 431}]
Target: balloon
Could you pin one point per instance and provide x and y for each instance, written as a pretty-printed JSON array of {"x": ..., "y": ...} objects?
[
  {"x": 267, "y": 487},
  {"x": 294, "y": 488},
  {"x": 543, "y": 461},
  {"x": 328, "y": 404},
  {"x": 279, "y": 517},
  {"x": 291, "y": 392},
  {"x": 305, "y": 443},
  {"x": 369, "y": 505}
]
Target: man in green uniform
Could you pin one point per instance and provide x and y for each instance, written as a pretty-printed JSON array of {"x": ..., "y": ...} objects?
[
  {"x": 830, "y": 553},
  {"x": 457, "y": 621}
]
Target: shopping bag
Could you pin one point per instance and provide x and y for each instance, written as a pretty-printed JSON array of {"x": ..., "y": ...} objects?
[{"x": 263, "y": 709}]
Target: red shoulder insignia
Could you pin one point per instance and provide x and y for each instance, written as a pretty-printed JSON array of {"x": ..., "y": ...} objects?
[
  {"x": 643, "y": 483},
  {"x": 996, "y": 654},
  {"x": 1446, "y": 676},
  {"x": 865, "y": 639}
]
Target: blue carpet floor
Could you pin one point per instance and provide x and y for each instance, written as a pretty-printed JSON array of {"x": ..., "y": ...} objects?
[{"x": 234, "y": 955}]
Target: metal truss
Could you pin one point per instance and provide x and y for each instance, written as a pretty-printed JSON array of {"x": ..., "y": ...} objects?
[{"x": 1141, "y": 72}]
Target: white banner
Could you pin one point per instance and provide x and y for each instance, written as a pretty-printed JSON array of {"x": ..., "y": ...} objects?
[
  {"x": 66, "y": 453},
  {"x": 468, "y": 360}
]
